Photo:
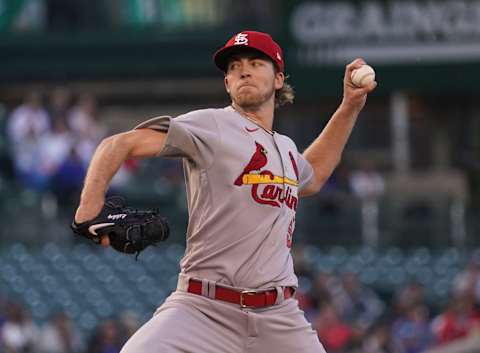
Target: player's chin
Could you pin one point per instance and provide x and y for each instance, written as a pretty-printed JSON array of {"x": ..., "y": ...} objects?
[{"x": 248, "y": 99}]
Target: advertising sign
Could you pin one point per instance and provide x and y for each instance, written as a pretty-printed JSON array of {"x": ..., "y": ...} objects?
[{"x": 390, "y": 32}]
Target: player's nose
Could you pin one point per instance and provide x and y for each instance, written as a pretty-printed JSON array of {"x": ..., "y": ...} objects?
[
  {"x": 245, "y": 73},
  {"x": 244, "y": 69}
]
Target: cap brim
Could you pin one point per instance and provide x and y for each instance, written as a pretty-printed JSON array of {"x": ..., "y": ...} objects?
[{"x": 222, "y": 56}]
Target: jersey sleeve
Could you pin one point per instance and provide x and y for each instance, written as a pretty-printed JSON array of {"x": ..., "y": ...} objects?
[
  {"x": 194, "y": 136},
  {"x": 305, "y": 171}
]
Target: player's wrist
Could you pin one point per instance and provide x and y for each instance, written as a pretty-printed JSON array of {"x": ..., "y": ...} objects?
[
  {"x": 349, "y": 108},
  {"x": 88, "y": 210}
]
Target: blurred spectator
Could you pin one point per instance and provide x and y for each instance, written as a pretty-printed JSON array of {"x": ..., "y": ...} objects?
[
  {"x": 335, "y": 334},
  {"x": 60, "y": 336},
  {"x": 366, "y": 182},
  {"x": 28, "y": 120},
  {"x": 378, "y": 339},
  {"x": 26, "y": 126},
  {"x": 68, "y": 179},
  {"x": 85, "y": 147},
  {"x": 128, "y": 324},
  {"x": 458, "y": 320},
  {"x": 302, "y": 294},
  {"x": 410, "y": 295},
  {"x": 83, "y": 119},
  {"x": 411, "y": 332},
  {"x": 306, "y": 304},
  {"x": 356, "y": 303},
  {"x": 19, "y": 334},
  {"x": 85, "y": 127},
  {"x": 105, "y": 339},
  {"x": 54, "y": 148},
  {"x": 59, "y": 104},
  {"x": 468, "y": 281},
  {"x": 300, "y": 262},
  {"x": 324, "y": 284},
  {"x": 28, "y": 169}
]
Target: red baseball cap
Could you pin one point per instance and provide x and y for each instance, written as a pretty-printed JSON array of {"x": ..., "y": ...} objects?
[{"x": 259, "y": 41}]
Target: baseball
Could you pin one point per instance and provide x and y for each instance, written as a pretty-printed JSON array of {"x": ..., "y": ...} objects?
[{"x": 363, "y": 76}]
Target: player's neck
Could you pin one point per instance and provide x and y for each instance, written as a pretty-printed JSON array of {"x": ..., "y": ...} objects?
[{"x": 262, "y": 115}]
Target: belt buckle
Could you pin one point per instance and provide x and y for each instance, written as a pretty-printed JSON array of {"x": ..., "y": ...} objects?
[{"x": 246, "y": 292}]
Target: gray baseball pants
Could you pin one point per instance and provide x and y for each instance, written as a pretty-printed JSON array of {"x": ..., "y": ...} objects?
[{"x": 190, "y": 323}]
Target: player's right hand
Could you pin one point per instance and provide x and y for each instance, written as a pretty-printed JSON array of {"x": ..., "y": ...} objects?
[{"x": 355, "y": 97}]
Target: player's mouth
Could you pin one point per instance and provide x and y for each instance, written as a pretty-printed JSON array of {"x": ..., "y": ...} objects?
[{"x": 246, "y": 85}]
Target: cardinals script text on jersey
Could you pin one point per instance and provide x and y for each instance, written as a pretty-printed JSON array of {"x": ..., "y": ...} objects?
[{"x": 277, "y": 189}]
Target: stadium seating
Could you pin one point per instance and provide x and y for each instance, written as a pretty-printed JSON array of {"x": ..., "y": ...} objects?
[{"x": 92, "y": 284}]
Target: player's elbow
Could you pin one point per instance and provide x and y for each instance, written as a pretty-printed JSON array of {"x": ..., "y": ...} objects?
[
  {"x": 139, "y": 143},
  {"x": 314, "y": 186},
  {"x": 321, "y": 174},
  {"x": 111, "y": 141},
  {"x": 118, "y": 142}
]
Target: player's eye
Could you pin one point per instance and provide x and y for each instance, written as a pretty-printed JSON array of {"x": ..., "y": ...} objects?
[{"x": 234, "y": 66}]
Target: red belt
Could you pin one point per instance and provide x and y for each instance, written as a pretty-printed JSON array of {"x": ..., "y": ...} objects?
[{"x": 246, "y": 298}]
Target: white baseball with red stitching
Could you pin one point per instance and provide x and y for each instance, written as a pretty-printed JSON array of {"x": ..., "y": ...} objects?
[{"x": 363, "y": 76}]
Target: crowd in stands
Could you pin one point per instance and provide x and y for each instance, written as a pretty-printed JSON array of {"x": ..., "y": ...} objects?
[
  {"x": 20, "y": 334},
  {"x": 50, "y": 141},
  {"x": 51, "y": 145},
  {"x": 348, "y": 316},
  {"x": 352, "y": 317}
]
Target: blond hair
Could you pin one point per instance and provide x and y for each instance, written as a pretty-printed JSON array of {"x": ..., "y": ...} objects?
[{"x": 284, "y": 95}]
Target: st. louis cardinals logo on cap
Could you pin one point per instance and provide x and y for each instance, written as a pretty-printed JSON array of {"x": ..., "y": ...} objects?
[
  {"x": 241, "y": 39},
  {"x": 250, "y": 40},
  {"x": 270, "y": 193}
]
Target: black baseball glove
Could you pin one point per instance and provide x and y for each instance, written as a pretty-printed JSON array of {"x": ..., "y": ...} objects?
[{"x": 130, "y": 231}]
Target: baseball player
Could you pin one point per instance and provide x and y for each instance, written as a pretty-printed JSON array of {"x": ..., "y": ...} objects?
[{"x": 243, "y": 180}]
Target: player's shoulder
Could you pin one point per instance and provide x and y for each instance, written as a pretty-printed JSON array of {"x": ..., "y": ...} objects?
[
  {"x": 285, "y": 139},
  {"x": 208, "y": 113},
  {"x": 228, "y": 117},
  {"x": 217, "y": 116}
]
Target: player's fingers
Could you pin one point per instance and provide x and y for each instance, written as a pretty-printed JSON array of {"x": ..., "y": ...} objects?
[
  {"x": 105, "y": 241},
  {"x": 360, "y": 91},
  {"x": 371, "y": 86},
  {"x": 355, "y": 64}
]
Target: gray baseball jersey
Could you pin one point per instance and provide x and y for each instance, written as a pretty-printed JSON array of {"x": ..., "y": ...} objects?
[
  {"x": 242, "y": 187},
  {"x": 242, "y": 190}
]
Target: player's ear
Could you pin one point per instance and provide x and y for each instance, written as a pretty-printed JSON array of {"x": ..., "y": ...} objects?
[
  {"x": 279, "y": 79},
  {"x": 226, "y": 84}
]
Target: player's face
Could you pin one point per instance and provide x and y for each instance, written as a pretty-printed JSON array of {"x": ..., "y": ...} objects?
[{"x": 252, "y": 80}]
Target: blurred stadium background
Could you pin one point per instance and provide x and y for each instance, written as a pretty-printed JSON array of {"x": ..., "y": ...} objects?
[{"x": 388, "y": 254}]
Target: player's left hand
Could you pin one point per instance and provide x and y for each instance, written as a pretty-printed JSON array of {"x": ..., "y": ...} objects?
[
  {"x": 125, "y": 229},
  {"x": 355, "y": 97}
]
